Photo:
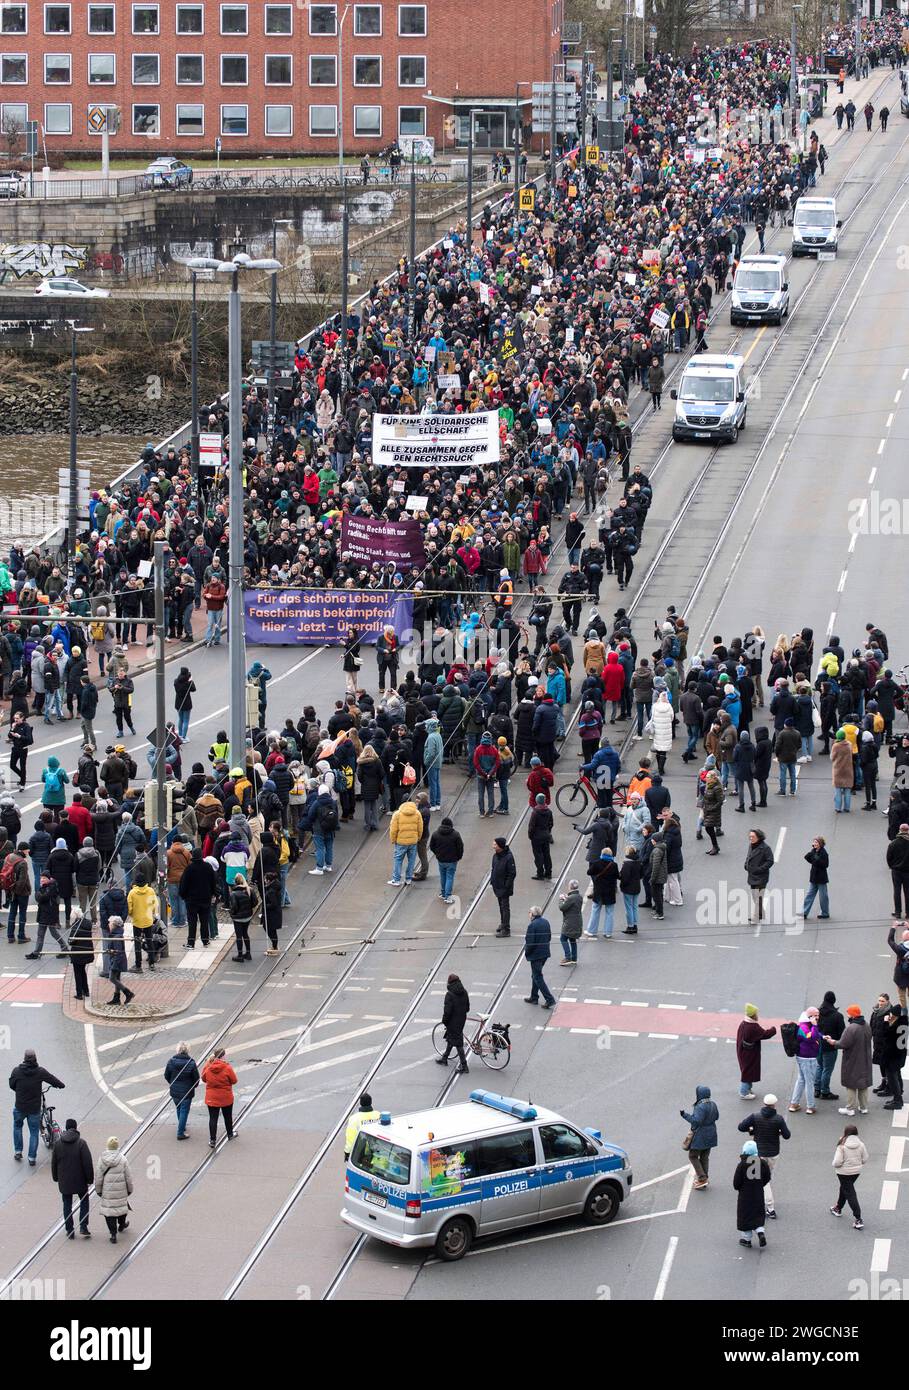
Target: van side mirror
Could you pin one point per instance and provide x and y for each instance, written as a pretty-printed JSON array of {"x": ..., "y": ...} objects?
[
  {"x": 785, "y": 284},
  {"x": 840, "y": 222},
  {"x": 673, "y": 394},
  {"x": 740, "y": 396}
]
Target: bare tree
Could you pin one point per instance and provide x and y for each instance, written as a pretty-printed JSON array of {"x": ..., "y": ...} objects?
[{"x": 12, "y": 131}]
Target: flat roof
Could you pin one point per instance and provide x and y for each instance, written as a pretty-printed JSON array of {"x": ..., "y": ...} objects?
[{"x": 452, "y": 1122}]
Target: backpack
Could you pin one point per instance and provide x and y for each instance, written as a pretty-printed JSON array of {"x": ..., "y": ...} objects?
[
  {"x": 675, "y": 649},
  {"x": 8, "y": 872},
  {"x": 789, "y": 1037},
  {"x": 98, "y": 631},
  {"x": 328, "y": 817},
  {"x": 408, "y": 776},
  {"x": 53, "y": 781}
]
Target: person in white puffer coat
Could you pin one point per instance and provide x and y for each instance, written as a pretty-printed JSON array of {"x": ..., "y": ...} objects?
[
  {"x": 660, "y": 727},
  {"x": 114, "y": 1185}
]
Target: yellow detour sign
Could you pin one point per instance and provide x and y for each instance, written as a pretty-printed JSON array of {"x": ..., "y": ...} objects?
[
  {"x": 591, "y": 154},
  {"x": 526, "y": 199}
]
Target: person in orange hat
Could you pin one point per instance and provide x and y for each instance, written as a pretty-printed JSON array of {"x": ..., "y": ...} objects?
[{"x": 855, "y": 1073}]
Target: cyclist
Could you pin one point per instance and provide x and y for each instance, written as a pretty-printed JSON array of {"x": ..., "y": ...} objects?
[
  {"x": 27, "y": 1081},
  {"x": 602, "y": 770}
]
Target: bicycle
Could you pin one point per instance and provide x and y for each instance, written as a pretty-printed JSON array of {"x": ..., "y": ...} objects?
[
  {"x": 492, "y": 1045},
  {"x": 50, "y": 1130},
  {"x": 573, "y": 798}
]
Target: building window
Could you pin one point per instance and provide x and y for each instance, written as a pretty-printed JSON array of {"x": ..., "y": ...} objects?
[
  {"x": 411, "y": 72},
  {"x": 367, "y": 20},
  {"x": 233, "y": 19},
  {"x": 146, "y": 120},
  {"x": 233, "y": 70},
  {"x": 412, "y": 21},
  {"x": 145, "y": 19},
  {"x": 279, "y": 120},
  {"x": 13, "y": 68},
  {"x": 411, "y": 120},
  {"x": 279, "y": 69},
  {"x": 101, "y": 19},
  {"x": 146, "y": 70},
  {"x": 323, "y": 120},
  {"x": 57, "y": 19},
  {"x": 279, "y": 19},
  {"x": 58, "y": 67},
  {"x": 13, "y": 115},
  {"x": 190, "y": 120},
  {"x": 190, "y": 20},
  {"x": 367, "y": 72},
  {"x": 102, "y": 67},
  {"x": 368, "y": 122},
  {"x": 323, "y": 19},
  {"x": 58, "y": 118},
  {"x": 13, "y": 19},
  {"x": 234, "y": 120},
  {"x": 323, "y": 71},
  {"x": 190, "y": 68}
]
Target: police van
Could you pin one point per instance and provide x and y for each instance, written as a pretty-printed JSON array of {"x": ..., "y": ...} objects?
[
  {"x": 444, "y": 1177},
  {"x": 760, "y": 290},
  {"x": 710, "y": 402},
  {"x": 815, "y": 226}
]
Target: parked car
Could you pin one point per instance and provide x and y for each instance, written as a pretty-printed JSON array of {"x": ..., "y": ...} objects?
[
  {"x": 168, "y": 172},
  {"x": 12, "y": 185},
  {"x": 65, "y": 288}
]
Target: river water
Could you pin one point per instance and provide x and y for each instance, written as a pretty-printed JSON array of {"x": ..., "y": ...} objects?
[{"x": 29, "y": 494}]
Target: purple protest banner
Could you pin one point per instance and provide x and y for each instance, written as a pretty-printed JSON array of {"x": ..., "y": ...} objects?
[
  {"x": 323, "y": 617},
  {"x": 369, "y": 539}
]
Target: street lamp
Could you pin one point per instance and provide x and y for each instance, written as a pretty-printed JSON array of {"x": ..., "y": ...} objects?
[
  {"x": 793, "y": 73},
  {"x": 341, "y": 95},
  {"x": 517, "y": 139},
  {"x": 72, "y": 522},
  {"x": 276, "y": 222},
  {"x": 194, "y": 392},
  {"x": 235, "y": 634}
]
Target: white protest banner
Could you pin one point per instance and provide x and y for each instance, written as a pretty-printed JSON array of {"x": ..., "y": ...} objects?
[
  {"x": 569, "y": 335},
  {"x": 630, "y": 278},
  {"x": 398, "y": 485},
  {"x": 429, "y": 354},
  {"x": 416, "y": 504},
  {"x": 449, "y": 381},
  {"x": 436, "y": 441},
  {"x": 659, "y": 318},
  {"x": 144, "y": 569},
  {"x": 485, "y": 296}
]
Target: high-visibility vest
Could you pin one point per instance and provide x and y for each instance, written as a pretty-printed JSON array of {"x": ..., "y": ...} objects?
[{"x": 505, "y": 593}]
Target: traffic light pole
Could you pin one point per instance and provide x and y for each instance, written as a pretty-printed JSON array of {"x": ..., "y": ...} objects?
[{"x": 160, "y": 727}]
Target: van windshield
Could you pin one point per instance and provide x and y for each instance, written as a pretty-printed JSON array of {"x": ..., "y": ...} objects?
[
  {"x": 707, "y": 388},
  {"x": 758, "y": 280},
  {"x": 381, "y": 1159},
  {"x": 813, "y": 216}
]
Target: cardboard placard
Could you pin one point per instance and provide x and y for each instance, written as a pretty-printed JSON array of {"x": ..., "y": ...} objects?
[{"x": 416, "y": 504}]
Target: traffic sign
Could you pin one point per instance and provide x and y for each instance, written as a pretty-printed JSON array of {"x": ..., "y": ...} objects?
[
  {"x": 282, "y": 356},
  {"x": 591, "y": 154},
  {"x": 210, "y": 447},
  {"x": 97, "y": 119},
  {"x": 526, "y": 199},
  {"x": 31, "y": 137}
]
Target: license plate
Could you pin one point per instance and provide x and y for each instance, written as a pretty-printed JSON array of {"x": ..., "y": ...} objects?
[
  {"x": 375, "y": 1199},
  {"x": 702, "y": 435}
]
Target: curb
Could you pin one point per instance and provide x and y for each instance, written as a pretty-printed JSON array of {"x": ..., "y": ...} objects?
[{"x": 144, "y": 1012}]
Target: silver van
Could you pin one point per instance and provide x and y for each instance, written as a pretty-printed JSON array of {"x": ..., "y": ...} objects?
[
  {"x": 710, "y": 402},
  {"x": 760, "y": 290},
  {"x": 444, "y": 1177},
  {"x": 815, "y": 226}
]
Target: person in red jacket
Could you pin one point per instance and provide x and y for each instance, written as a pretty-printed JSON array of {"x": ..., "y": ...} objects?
[
  {"x": 311, "y": 488},
  {"x": 539, "y": 781},
  {"x": 80, "y": 817},
  {"x": 613, "y": 679},
  {"x": 220, "y": 1079}
]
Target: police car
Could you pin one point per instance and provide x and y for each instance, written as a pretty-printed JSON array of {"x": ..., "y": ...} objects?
[
  {"x": 444, "y": 1177},
  {"x": 710, "y": 402}
]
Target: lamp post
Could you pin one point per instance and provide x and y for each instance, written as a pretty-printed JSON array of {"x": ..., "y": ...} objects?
[
  {"x": 793, "y": 72},
  {"x": 235, "y": 633},
  {"x": 276, "y": 222},
  {"x": 341, "y": 95},
  {"x": 517, "y": 140},
  {"x": 412, "y": 249},
  {"x": 72, "y": 522},
  {"x": 194, "y": 389},
  {"x": 470, "y": 137}
]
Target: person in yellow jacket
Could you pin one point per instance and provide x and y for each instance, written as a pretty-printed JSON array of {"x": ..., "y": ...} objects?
[
  {"x": 361, "y": 1116},
  {"x": 144, "y": 912},
  {"x": 406, "y": 830}
]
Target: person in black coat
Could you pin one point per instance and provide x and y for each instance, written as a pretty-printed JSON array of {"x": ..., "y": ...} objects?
[
  {"x": 763, "y": 758},
  {"x": 751, "y": 1176},
  {"x": 539, "y": 831},
  {"x": 818, "y": 878},
  {"x": 27, "y": 1081},
  {"x": 73, "y": 1170},
  {"x": 501, "y": 878},
  {"x": 832, "y": 1025},
  {"x": 61, "y": 866},
  {"x": 892, "y": 1054},
  {"x": 454, "y": 1015},
  {"x": 82, "y": 952},
  {"x": 182, "y": 1077},
  {"x": 767, "y": 1127},
  {"x": 198, "y": 889},
  {"x": 523, "y": 742}
]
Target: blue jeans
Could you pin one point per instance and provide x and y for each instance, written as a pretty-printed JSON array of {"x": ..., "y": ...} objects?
[
  {"x": 38, "y": 867},
  {"x": 402, "y": 852},
  {"x": 183, "y": 722},
  {"x": 643, "y": 712},
  {"x": 538, "y": 985},
  {"x": 434, "y": 785},
  {"x": 608, "y": 912},
  {"x": 183, "y": 1107},
  {"x": 324, "y": 845},
  {"x": 744, "y": 1088},
  {"x": 446, "y": 878},
  {"x": 53, "y": 704},
  {"x": 213, "y": 627},
  {"x": 817, "y": 890},
  {"x": 807, "y": 746},
  {"x": 631, "y": 909},
  {"x": 503, "y": 792},
  {"x": 33, "y": 1122},
  {"x": 285, "y": 896},
  {"x": 177, "y": 906},
  {"x": 694, "y": 733},
  {"x": 18, "y": 906},
  {"x": 569, "y": 947},
  {"x": 805, "y": 1081},
  {"x": 787, "y": 769},
  {"x": 724, "y": 775},
  {"x": 486, "y": 794},
  {"x": 825, "y": 1063},
  {"x": 842, "y": 798},
  {"x": 574, "y": 555},
  {"x": 186, "y": 619}
]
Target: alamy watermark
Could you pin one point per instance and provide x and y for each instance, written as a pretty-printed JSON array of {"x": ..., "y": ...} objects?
[{"x": 33, "y": 516}]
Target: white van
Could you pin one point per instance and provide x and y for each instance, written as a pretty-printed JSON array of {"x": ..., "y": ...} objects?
[
  {"x": 760, "y": 291},
  {"x": 815, "y": 227},
  {"x": 446, "y": 1176},
  {"x": 710, "y": 402}
]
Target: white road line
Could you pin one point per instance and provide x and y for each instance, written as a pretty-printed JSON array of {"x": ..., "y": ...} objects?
[
  {"x": 20, "y": 1004},
  {"x": 594, "y": 1032},
  {"x": 614, "y": 1033},
  {"x": 890, "y": 1191},
  {"x": 905, "y": 374},
  {"x": 672, "y": 1006},
  {"x": 667, "y": 1268},
  {"x": 880, "y": 1258},
  {"x": 634, "y": 1004},
  {"x": 667, "y": 1037},
  {"x": 880, "y": 447},
  {"x": 780, "y": 841},
  {"x": 831, "y": 621},
  {"x": 895, "y": 1148},
  {"x": 853, "y": 541},
  {"x": 95, "y": 1066},
  {"x": 896, "y": 398},
  {"x": 842, "y": 584},
  {"x": 901, "y": 1118},
  {"x": 687, "y": 1189},
  {"x": 889, "y": 421}
]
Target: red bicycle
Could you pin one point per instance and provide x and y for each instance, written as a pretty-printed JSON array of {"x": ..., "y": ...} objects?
[{"x": 574, "y": 798}]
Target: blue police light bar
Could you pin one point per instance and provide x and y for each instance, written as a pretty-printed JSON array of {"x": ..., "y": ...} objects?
[{"x": 507, "y": 1104}]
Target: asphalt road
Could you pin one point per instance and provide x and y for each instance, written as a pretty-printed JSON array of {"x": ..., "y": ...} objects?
[{"x": 763, "y": 537}]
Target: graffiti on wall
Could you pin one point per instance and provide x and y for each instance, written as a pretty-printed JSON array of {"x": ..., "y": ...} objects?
[{"x": 44, "y": 258}]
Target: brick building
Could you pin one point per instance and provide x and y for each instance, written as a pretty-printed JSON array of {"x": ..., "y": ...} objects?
[{"x": 269, "y": 78}]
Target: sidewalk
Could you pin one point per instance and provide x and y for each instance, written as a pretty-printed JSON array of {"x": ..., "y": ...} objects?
[{"x": 170, "y": 989}]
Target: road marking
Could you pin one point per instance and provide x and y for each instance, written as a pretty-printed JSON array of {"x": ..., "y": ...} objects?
[
  {"x": 889, "y": 421},
  {"x": 635, "y": 1004},
  {"x": 667, "y": 1268},
  {"x": 880, "y": 1258},
  {"x": 880, "y": 447},
  {"x": 890, "y": 1191},
  {"x": 871, "y": 477},
  {"x": 21, "y": 1004},
  {"x": 853, "y": 541},
  {"x": 95, "y": 1066},
  {"x": 663, "y": 1006},
  {"x": 895, "y": 1148},
  {"x": 905, "y": 374},
  {"x": 701, "y": 1023},
  {"x": 896, "y": 398},
  {"x": 901, "y": 1118},
  {"x": 687, "y": 1187},
  {"x": 666, "y": 1037},
  {"x": 842, "y": 584},
  {"x": 757, "y": 338},
  {"x": 780, "y": 841},
  {"x": 831, "y": 622}
]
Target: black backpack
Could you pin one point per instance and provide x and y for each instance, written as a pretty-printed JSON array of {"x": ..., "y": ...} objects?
[
  {"x": 789, "y": 1036},
  {"x": 328, "y": 817}
]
